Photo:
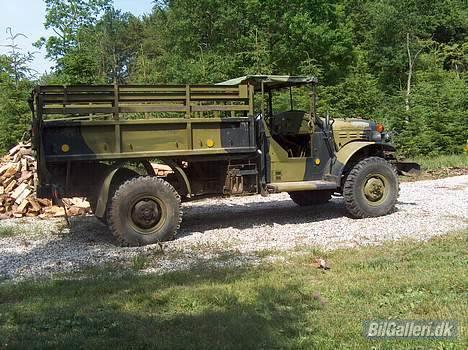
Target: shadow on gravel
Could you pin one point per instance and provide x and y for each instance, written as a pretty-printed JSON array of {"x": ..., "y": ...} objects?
[
  {"x": 406, "y": 203},
  {"x": 238, "y": 216},
  {"x": 89, "y": 229},
  {"x": 257, "y": 214}
]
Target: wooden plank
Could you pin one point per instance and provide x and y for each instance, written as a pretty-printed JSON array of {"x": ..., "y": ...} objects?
[
  {"x": 34, "y": 204},
  {"x": 78, "y": 110},
  {"x": 60, "y": 98},
  {"x": 208, "y": 108},
  {"x": 44, "y": 89},
  {"x": 25, "y": 176},
  {"x": 115, "y": 105},
  {"x": 24, "y": 164},
  {"x": 16, "y": 193},
  {"x": 11, "y": 186},
  {"x": 8, "y": 180},
  {"x": 188, "y": 107},
  {"x": 25, "y": 194},
  {"x": 251, "y": 100},
  {"x": 243, "y": 91},
  {"x": 4, "y": 168},
  {"x": 213, "y": 88},
  {"x": 148, "y": 122},
  {"x": 22, "y": 207},
  {"x": 152, "y": 108},
  {"x": 152, "y": 88},
  {"x": 13, "y": 150},
  {"x": 149, "y": 97},
  {"x": 44, "y": 202}
]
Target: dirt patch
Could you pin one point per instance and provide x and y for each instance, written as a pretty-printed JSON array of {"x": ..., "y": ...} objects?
[{"x": 434, "y": 174}]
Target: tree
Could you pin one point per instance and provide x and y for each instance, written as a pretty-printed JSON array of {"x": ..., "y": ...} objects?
[
  {"x": 15, "y": 116},
  {"x": 18, "y": 60},
  {"x": 400, "y": 61},
  {"x": 66, "y": 18}
]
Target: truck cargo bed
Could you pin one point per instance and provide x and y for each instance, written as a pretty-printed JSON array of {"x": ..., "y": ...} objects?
[
  {"x": 109, "y": 139},
  {"x": 112, "y": 122}
]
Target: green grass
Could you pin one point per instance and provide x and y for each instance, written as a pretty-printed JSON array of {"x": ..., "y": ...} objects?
[
  {"x": 285, "y": 305},
  {"x": 9, "y": 231},
  {"x": 437, "y": 162},
  {"x": 139, "y": 262}
]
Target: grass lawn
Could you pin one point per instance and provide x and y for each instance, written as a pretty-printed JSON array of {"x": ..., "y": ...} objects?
[
  {"x": 288, "y": 304},
  {"x": 454, "y": 160}
]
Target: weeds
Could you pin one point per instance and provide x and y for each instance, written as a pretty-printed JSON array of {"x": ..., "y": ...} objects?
[{"x": 139, "y": 262}]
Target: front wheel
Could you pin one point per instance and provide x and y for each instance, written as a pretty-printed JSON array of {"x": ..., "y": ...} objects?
[
  {"x": 144, "y": 210},
  {"x": 371, "y": 188}
]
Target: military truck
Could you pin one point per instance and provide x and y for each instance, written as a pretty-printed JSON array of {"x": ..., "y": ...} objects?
[{"x": 258, "y": 134}]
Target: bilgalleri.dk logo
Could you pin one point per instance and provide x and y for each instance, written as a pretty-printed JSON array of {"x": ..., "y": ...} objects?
[{"x": 410, "y": 329}]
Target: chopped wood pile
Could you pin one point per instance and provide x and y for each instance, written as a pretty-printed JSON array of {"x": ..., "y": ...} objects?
[
  {"x": 17, "y": 188},
  {"x": 162, "y": 170}
]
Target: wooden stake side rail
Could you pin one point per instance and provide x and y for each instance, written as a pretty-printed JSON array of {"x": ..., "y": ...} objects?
[{"x": 75, "y": 101}]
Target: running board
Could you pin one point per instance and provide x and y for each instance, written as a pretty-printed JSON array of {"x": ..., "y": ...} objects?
[{"x": 301, "y": 186}]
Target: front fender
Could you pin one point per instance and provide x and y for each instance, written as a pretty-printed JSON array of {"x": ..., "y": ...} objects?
[{"x": 353, "y": 149}]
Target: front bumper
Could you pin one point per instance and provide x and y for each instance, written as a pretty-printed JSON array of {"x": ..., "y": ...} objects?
[{"x": 408, "y": 168}]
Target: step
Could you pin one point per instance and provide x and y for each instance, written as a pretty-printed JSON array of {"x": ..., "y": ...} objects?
[{"x": 275, "y": 187}]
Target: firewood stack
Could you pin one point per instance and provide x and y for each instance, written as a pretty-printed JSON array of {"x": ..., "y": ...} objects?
[
  {"x": 17, "y": 188},
  {"x": 161, "y": 170}
]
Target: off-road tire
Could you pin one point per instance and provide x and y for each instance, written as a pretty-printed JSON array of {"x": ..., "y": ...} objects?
[
  {"x": 144, "y": 189},
  {"x": 357, "y": 204},
  {"x": 307, "y": 198}
]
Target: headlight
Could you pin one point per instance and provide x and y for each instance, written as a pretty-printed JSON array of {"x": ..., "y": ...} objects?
[{"x": 379, "y": 127}]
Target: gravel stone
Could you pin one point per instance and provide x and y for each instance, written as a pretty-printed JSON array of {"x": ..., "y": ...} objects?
[{"x": 234, "y": 232}]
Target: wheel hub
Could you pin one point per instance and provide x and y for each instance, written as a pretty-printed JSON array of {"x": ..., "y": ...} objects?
[
  {"x": 374, "y": 189},
  {"x": 146, "y": 213}
]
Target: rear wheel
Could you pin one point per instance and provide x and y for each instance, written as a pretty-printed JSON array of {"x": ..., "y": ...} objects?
[
  {"x": 306, "y": 198},
  {"x": 371, "y": 188},
  {"x": 144, "y": 210}
]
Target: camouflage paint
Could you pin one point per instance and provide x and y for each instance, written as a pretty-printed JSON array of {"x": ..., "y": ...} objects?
[{"x": 189, "y": 136}]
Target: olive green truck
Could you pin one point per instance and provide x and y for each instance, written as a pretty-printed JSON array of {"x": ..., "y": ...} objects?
[{"x": 250, "y": 135}]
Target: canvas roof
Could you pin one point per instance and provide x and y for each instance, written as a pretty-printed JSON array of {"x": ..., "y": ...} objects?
[{"x": 271, "y": 81}]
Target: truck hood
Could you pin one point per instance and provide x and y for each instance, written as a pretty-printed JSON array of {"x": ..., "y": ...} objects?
[
  {"x": 348, "y": 130},
  {"x": 354, "y": 124}
]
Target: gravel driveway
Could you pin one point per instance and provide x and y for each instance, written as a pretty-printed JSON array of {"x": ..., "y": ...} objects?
[{"x": 234, "y": 231}]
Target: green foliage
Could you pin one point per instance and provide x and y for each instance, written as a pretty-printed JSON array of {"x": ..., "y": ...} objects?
[
  {"x": 438, "y": 118},
  {"x": 15, "y": 116},
  {"x": 66, "y": 18},
  {"x": 443, "y": 161},
  {"x": 358, "y": 50},
  {"x": 357, "y": 95}
]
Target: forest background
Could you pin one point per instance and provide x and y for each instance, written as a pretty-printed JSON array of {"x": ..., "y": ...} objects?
[{"x": 401, "y": 62}]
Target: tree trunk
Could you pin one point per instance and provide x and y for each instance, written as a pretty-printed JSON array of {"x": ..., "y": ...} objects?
[{"x": 410, "y": 74}]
